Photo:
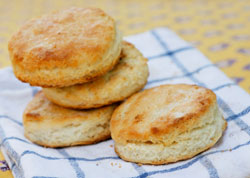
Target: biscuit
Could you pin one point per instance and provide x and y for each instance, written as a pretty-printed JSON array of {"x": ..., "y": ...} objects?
[
  {"x": 166, "y": 124},
  {"x": 50, "y": 125},
  {"x": 129, "y": 76},
  {"x": 65, "y": 48}
]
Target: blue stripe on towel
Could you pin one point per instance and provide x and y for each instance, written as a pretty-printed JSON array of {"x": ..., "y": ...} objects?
[
  {"x": 188, "y": 74},
  {"x": 164, "y": 46},
  {"x": 242, "y": 113},
  {"x": 9, "y": 118},
  {"x": 15, "y": 138},
  {"x": 223, "y": 86},
  {"x": 73, "y": 163},
  {"x": 42, "y": 177},
  {"x": 28, "y": 152},
  {"x": 211, "y": 169},
  {"x": 15, "y": 170},
  {"x": 244, "y": 127},
  {"x": 170, "y": 53},
  {"x": 139, "y": 169}
]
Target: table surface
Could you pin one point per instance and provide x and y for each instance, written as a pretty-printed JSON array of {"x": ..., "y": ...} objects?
[{"x": 220, "y": 29}]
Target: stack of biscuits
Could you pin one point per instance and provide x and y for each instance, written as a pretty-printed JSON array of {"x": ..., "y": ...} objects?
[{"x": 84, "y": 68}]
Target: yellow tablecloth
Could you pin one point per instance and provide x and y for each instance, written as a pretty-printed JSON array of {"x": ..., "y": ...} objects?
[{"x": 220, "y": 29}]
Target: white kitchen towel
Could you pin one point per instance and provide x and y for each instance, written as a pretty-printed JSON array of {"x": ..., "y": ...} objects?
[{"x": 171, "y": 61}]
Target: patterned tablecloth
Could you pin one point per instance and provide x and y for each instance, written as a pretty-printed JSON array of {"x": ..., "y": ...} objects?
[{"x": 219, "y": 29}]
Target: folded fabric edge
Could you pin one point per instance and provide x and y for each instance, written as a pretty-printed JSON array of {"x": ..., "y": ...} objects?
[{"x": 11, "y": 164}]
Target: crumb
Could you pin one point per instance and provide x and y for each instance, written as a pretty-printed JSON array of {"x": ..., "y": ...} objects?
[
  {"x": 111, "y": 146},
  {"x": 97, "y": 164},
  {"x": 120, "y": 165},
  {"x": 115, "y": 163},
  {"x": 230, "y": 149},
  {"x": 111, "y": 164}
]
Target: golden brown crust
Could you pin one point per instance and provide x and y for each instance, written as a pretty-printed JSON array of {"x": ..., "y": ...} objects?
[
  {"x": 50, "y": 125},
  {"x": 128, "y": 76},
  {"x": 65, "y": 48},
  {"x": 154, "y": 113}
]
